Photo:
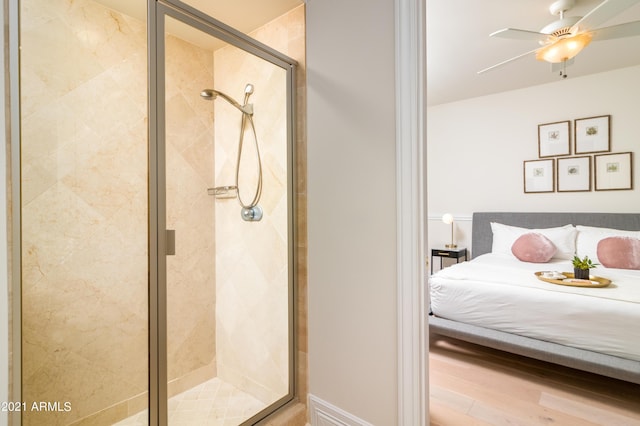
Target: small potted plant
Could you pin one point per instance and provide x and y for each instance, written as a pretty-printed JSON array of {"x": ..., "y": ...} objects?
[{"x": 581, "y": 267}]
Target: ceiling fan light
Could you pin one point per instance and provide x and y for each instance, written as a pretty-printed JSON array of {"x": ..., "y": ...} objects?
[{"x": 564, "y": 49}]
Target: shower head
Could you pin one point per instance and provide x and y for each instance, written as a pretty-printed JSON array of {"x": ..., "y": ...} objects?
[
  {"x": 248, "y": 90},
  {"x": 209, "y": 94}
]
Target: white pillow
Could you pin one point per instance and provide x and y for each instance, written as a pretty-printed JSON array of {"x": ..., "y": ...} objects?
[
  {"x": 589, "y": 237},
  {"x": 564, "y": 238}
]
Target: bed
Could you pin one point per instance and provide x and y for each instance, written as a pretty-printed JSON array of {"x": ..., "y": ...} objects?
[{"x": 496, "y": 300}]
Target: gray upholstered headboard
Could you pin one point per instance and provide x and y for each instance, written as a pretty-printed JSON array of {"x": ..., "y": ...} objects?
[{"x": 482, "y": 237}]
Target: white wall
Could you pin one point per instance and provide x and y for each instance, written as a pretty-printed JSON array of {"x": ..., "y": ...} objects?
[
  {"x": 475, "y": 148},
  {"x": 352, "y": 207}
]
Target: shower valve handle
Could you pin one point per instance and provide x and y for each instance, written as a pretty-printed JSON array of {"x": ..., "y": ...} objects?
[{"x": 252, "y": 214}]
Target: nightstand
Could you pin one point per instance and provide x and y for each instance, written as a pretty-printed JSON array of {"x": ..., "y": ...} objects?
[{"x": 453, "y": 253}]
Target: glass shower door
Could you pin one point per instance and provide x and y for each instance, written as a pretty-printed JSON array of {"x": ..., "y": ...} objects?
[{"x": 224, "y": 144}]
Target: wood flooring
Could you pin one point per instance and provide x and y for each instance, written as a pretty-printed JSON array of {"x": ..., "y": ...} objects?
[{"x": 471, "y": 385}]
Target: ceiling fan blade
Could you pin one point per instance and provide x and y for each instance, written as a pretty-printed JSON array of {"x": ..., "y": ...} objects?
[
  {"x": 628, "y": 29},
  {"x": 515, "y": 33},
  {"x": 508, "y": 61},
  {"x": 602, "y": 13}
]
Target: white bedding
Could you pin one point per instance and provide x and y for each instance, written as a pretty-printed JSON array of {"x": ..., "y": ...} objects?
[{"x": 499, "y": 292}]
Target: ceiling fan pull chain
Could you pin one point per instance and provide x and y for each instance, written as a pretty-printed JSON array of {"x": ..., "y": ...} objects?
[{"x": 563, "y": 71}]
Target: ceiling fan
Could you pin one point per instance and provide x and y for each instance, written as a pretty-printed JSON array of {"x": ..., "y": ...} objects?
[{"x": 560, "y": 41}]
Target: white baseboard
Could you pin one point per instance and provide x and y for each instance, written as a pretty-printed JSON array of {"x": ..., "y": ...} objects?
[{"x": 322, "y": 413}]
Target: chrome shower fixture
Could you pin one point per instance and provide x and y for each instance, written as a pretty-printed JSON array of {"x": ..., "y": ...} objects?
[
  {"x": 248, "y": 90},
  {"x": 250, "y": 211},
  {"x": 209, "y": 94},
  {"x": 212, "y": 94},
  {"x": 251, "y": 214}
]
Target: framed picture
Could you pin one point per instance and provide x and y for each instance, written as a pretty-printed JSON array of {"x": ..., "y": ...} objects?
[
  {"x": 592, "y": 134},
  {"x": 553, "y": 139},
  {"x": 613, "y": 171},
  {"x": 574, "y": 174},
  {"x": 539, "y": 176}
]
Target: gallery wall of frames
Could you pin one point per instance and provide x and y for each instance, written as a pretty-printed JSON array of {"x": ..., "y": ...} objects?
[{"x": 577, "y": 157}]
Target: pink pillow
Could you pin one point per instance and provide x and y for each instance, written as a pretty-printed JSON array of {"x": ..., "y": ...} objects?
[
  {"x": 533, "y": 247},
  {"x": 619, "y": 252}
]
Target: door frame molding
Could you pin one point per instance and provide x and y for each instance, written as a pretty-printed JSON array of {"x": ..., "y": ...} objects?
[{"x": 413, "y": 392}]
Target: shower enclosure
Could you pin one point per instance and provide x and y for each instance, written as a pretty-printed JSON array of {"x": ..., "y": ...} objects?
[{"x": 156, "y": 245}]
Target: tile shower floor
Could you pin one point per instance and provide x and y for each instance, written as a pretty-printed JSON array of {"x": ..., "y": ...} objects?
[{"x": 212, "y": 403}]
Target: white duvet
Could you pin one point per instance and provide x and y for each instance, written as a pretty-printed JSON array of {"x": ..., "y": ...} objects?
[{"x": 499, "y": 292}]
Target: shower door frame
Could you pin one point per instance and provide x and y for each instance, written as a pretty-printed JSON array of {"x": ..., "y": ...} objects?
[
  {"x": 158, "y": 249},
  {"x": 156, "y": 10}
]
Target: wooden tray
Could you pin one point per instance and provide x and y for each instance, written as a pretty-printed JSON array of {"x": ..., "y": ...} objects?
[{"x": 593, "y": 281}]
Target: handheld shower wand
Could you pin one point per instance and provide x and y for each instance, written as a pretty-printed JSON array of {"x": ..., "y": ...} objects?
[
  {"x": 250, "y": 211},
  {"x": 212, "y": 94}
]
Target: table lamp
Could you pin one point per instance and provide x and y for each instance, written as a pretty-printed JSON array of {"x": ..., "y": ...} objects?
[{"x": 448, "y": 219}]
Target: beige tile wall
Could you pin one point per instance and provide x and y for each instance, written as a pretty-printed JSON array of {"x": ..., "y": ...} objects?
[
  {"x": 292, "y": 43},
  {"x": 84, "y": 208},
  {"x": 191, "y": 288},
  {"x": 252, "y": 280}
]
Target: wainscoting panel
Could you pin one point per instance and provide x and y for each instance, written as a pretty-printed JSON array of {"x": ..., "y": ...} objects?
[{"x": 322, "y": 413}]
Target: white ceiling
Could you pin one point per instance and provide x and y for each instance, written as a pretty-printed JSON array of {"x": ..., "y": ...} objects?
[{"x": 458, "y": 45}]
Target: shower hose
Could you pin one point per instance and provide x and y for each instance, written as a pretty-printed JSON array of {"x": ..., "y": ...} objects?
[{"x": 248, "y": 116}]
